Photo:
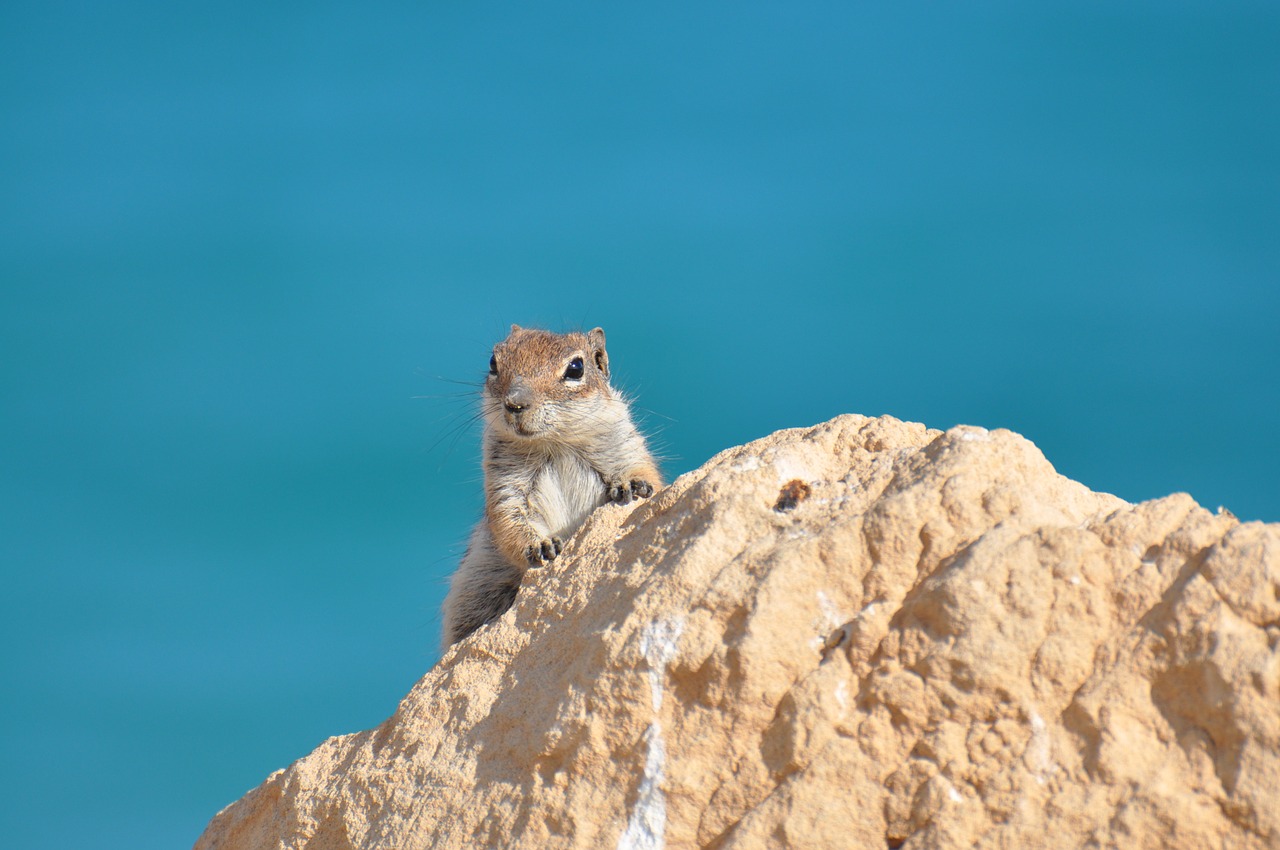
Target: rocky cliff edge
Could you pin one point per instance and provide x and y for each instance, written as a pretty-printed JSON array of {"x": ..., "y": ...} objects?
[{"x": 861, "y": 634}]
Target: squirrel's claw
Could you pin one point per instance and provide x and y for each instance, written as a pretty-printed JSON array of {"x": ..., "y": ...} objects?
[
  {"x": 544, "y": 552},
  {"x": 622, "y": 492}
]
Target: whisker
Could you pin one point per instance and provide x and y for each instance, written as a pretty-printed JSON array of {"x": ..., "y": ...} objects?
[
  {"x": 652, "y": 412},
  {"x": 445, "y": 396},
  {"x": 455, "y": 432},
  {"x": 476, "y": 384}
]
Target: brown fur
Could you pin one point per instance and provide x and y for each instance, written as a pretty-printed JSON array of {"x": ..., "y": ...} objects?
[{"x": 555, "y": 448}]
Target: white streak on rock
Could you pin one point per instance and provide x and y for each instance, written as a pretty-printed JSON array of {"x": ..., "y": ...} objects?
[
  {"x": 659, "y": 646},
  {"x": 1040, "y": 750},
  {"x": 647, "y": 825}
]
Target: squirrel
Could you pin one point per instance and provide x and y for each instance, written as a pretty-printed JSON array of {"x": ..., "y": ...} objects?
[{"x": 558, "y": 443}]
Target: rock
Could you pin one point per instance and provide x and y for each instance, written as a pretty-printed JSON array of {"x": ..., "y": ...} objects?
[{"x": 862, "y": 634}]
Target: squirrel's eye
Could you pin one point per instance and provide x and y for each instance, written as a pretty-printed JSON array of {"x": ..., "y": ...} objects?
[
  {"x": 493, "y": 365},
  {"x": 573, "y": 372}
]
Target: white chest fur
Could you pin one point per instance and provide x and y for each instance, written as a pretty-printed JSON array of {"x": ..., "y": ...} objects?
[{"x": 565, "y": 490}]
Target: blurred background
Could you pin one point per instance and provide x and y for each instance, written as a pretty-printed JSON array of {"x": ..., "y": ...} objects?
[{"x": 248, "y": 250}]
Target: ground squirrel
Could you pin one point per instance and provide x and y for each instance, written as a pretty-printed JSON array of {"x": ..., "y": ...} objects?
[{"x": 558, "y": 443}]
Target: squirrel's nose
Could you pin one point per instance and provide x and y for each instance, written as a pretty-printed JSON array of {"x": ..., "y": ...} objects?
[{"x": 517, "y": 399}]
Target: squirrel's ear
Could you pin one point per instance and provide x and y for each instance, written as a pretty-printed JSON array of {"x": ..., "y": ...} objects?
[
  {"x": 596, "y": 338},
  {"x": 515, "y": 328}
]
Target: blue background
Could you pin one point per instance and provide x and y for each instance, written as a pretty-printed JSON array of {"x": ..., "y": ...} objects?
[{"x": 240, "y": 245}]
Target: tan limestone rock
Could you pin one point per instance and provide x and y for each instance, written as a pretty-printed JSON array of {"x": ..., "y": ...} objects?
[{"x": 862, "y": 634}]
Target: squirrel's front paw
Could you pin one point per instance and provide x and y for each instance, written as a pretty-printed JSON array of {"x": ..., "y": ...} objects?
[
  {"x": 623, "y": 491},
  {"x": 544, "y": 552}
]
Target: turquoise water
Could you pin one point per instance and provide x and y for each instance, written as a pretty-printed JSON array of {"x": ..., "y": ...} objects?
[{"x": 242, "y": 247}]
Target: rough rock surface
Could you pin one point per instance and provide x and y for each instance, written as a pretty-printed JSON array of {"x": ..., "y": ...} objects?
[{"x": 862, "y": 634}]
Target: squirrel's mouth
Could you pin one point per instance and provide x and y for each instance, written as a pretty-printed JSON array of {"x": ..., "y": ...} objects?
[{"x": 520, "y": 426}]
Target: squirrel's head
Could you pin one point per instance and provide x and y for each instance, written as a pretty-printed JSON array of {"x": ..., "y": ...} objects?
[{"x": 541, "y": 384}]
